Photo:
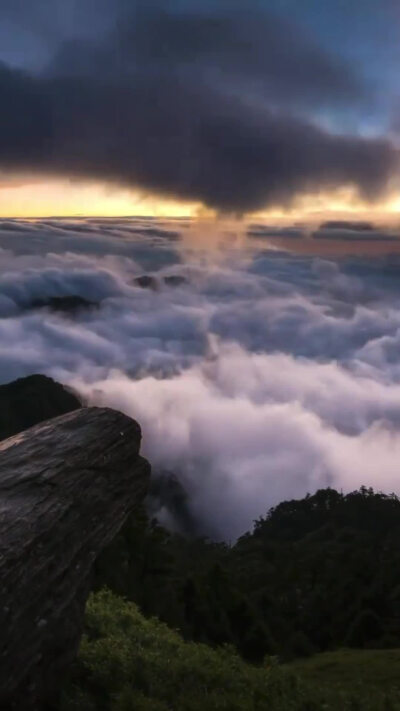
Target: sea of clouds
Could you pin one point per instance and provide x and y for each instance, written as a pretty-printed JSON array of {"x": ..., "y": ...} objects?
[{"x": 263, "y": 375}]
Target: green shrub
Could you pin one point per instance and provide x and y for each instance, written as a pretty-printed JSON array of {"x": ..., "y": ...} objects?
[{"x": 129, "y": 663}]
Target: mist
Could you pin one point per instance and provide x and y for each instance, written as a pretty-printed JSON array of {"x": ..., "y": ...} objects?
[{"x": 259, "y": 375}]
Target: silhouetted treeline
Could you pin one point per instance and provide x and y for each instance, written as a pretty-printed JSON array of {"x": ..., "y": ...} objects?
[{"x": 314, "y": 574}]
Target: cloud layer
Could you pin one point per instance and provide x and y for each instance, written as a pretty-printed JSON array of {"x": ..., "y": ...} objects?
[{"x": 263, "y": 376}]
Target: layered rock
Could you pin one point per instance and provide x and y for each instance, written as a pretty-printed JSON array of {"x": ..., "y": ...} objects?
[{"x": 66, "y": 487}]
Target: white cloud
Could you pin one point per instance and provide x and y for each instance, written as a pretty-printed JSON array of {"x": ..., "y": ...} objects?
[{"x": 263, "y": 377}]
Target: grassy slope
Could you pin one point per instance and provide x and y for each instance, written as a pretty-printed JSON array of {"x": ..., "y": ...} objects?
[
  {"x": 130, "y": 663},
  {"x": 373, "y": 675}
]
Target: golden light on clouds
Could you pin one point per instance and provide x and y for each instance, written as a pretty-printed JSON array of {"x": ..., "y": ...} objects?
[
  {"x": 342, "y": 202},
  {"x": 40, "y": 197},
  {"x": 20, "y": 197}
]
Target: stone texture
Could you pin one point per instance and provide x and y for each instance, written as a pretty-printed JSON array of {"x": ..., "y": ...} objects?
[{"x": 66, "y": 487}]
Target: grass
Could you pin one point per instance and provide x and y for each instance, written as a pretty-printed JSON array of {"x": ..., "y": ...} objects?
[
  {"x": 372, "y": 676},
  {"x": 130, "y": 663}
]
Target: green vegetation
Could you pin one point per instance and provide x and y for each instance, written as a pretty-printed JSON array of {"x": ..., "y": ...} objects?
[
  {"x": 372, "y": 675},
  {"x": 315, "y": 574},
  {"x": 130, "y": 663},
  {"x": 301, "y": 614},
  {"x": 259, "y": 625}
]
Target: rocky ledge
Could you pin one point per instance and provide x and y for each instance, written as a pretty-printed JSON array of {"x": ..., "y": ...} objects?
[{"x": 66, "y": 487}]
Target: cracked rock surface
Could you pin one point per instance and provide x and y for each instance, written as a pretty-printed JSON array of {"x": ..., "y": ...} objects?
[{"x": 66, "y": 487}]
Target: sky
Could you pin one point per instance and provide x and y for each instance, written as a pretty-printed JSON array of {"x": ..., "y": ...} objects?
[
  {"x": 250, "y": 151},
  {"x": 180, "y": 107}
]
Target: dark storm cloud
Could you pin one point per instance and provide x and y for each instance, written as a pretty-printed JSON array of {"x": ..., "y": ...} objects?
[
  {"x": 200, "y": 105},
  {"x": 240, "y": 50},
  {"x": 31, "y": 31}
]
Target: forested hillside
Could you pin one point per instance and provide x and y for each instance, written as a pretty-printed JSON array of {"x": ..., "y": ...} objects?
[
  {"x": 315, "y": 574},
  {"x": 300, "y": 614}
]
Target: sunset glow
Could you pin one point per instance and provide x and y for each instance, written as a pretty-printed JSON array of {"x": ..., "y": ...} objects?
[
  {"x": 49, "y": 197},
  {"x": 35, "y": 197},
  {"x": 199, "y": 355}
]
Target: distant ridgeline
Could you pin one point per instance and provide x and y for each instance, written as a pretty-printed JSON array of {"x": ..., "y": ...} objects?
[
  {"x": 315, "y": 574},
  {"x": 28, "y": 401}
]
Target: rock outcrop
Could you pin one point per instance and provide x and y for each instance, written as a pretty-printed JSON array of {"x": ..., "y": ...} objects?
[
  {"x": 66, "y": 487},
  {"x": 27, "y": 401}
]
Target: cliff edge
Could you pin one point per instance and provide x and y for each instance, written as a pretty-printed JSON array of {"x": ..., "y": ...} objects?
[{"x": 66, "y": 487}]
